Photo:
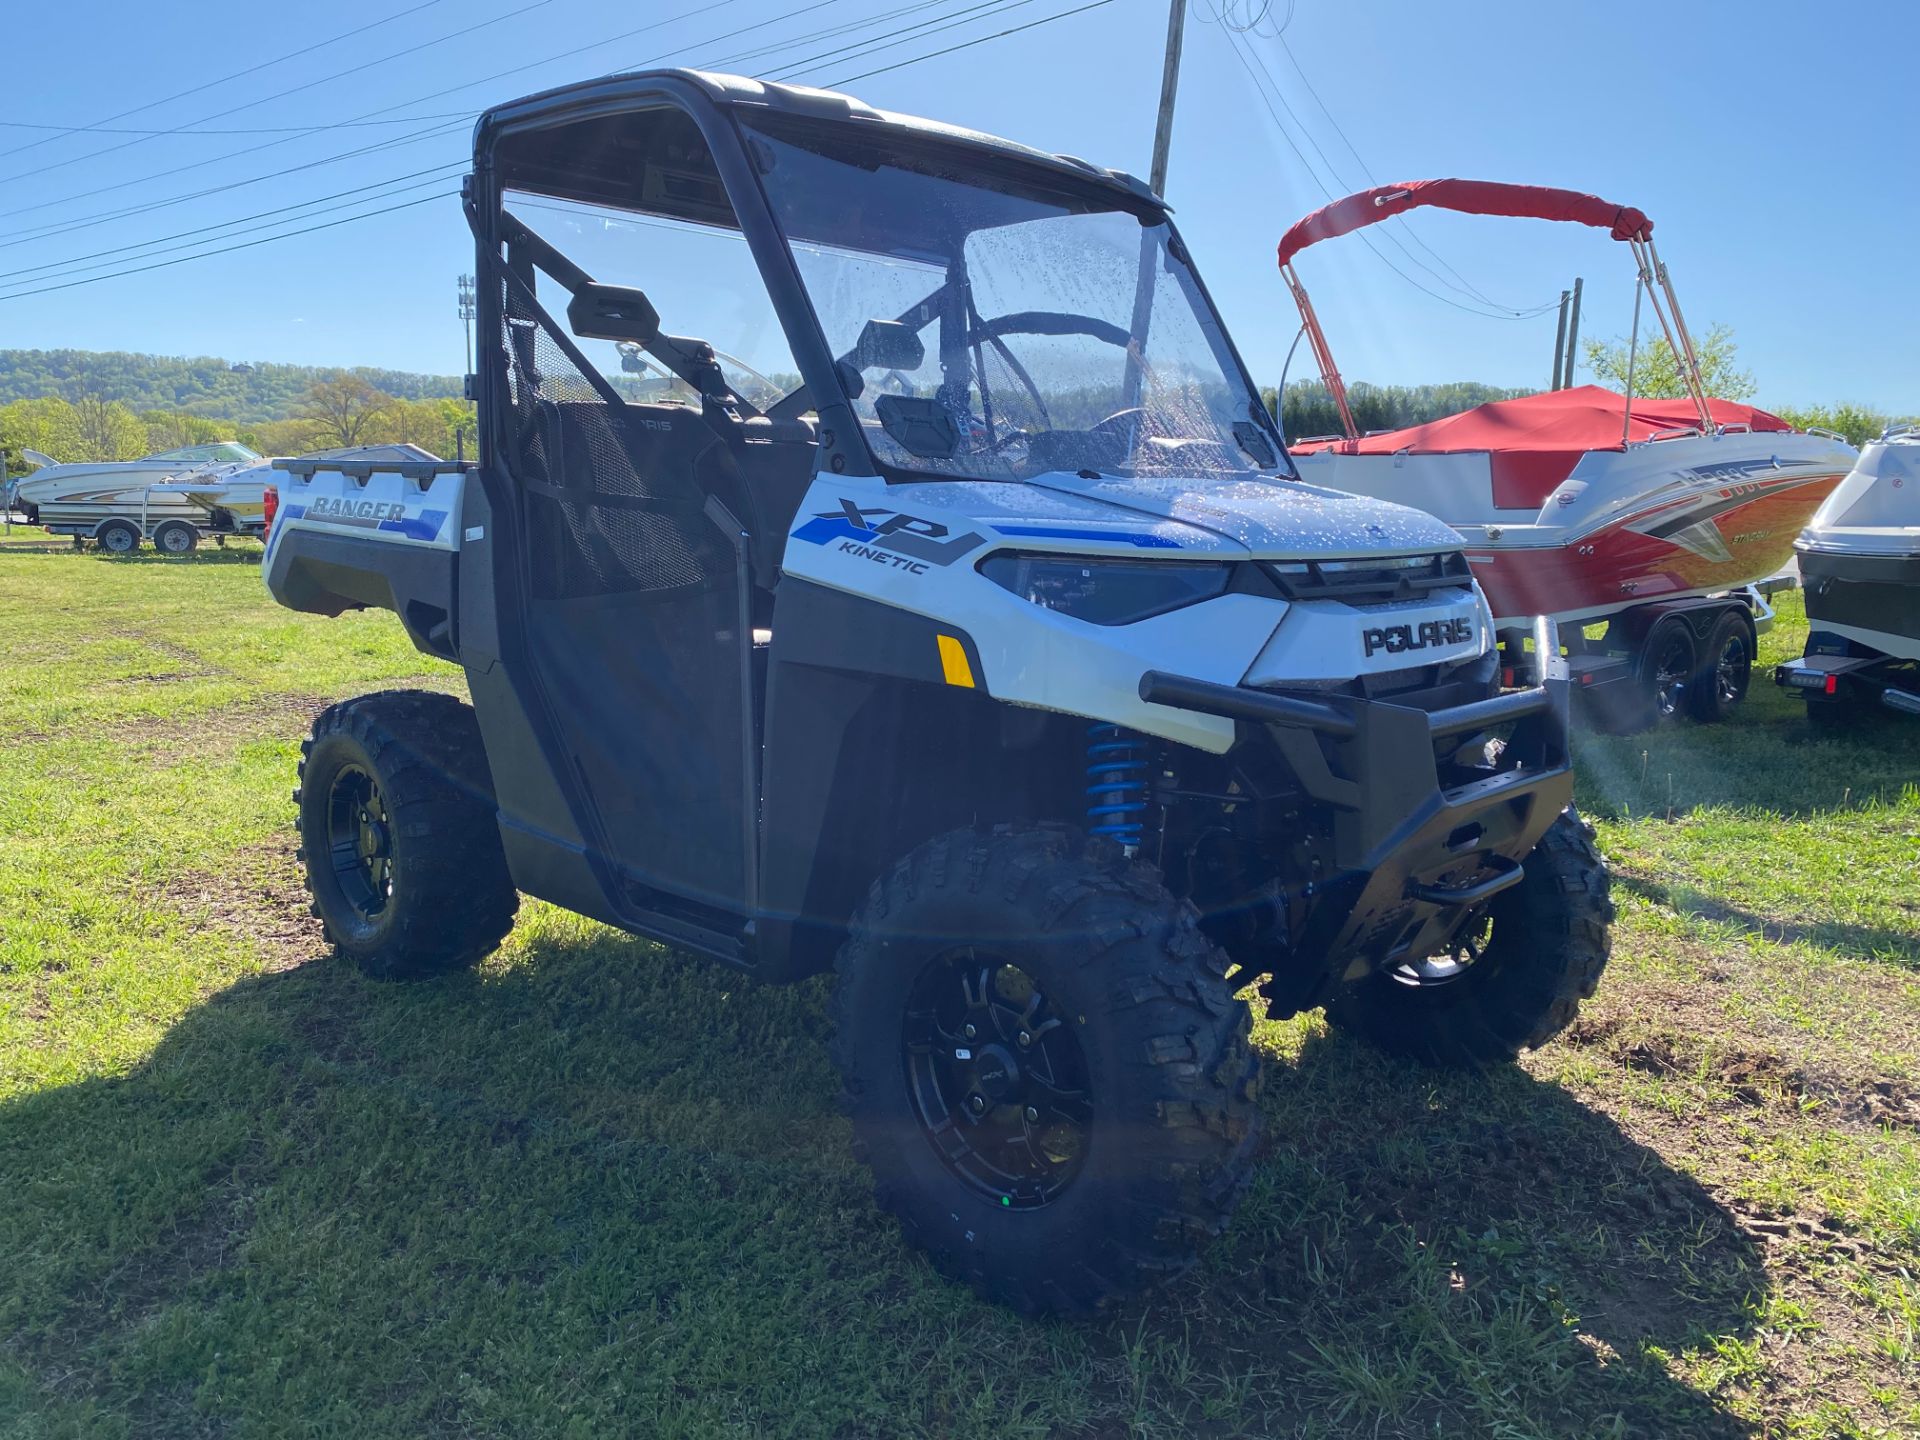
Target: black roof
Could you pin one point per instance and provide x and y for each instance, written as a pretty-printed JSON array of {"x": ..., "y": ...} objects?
[{"x": 800, "y": 100}]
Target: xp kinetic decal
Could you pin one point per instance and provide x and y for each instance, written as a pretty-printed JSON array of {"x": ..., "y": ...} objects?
[{"x": 903, "y": 541}]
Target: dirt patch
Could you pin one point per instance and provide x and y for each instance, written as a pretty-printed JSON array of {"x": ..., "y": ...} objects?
[
  {"x": 263, "y": 898},
  {"x": 1744, "y": 1073}
]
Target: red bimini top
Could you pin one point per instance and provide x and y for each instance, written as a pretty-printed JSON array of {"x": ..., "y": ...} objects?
[
  {"x": 1472, "y": 197},
  {"x": 1535, "y": 441}
]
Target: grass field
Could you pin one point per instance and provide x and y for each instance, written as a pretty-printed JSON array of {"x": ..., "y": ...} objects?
[{"x": 599, "y": 1188}]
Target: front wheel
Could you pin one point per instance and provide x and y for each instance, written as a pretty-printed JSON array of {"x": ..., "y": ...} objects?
[
  {"x": 1517, "y": 971},
  {"x": 1046, "y": 1070}
]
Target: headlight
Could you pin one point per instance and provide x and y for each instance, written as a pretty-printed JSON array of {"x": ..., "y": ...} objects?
[{"x": 1105, "y": 592}]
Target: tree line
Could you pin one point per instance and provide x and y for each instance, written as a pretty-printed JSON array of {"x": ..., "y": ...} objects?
[
  {"x": 81, "y": 411},
  {"x": 205, "y": 386},
  {"x": 337, "y": 409}
]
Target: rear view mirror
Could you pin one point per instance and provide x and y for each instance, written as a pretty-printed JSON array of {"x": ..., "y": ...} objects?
[
  {"x": 613, "y": 312},
  {"x": 888, "y": 345}
]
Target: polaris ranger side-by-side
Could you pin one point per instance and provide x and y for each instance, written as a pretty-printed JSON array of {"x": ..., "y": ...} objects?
[{"x": 879, "y": 559}]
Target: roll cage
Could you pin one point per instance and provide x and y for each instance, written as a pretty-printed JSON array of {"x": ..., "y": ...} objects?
[{"x": 581, "y": 143}]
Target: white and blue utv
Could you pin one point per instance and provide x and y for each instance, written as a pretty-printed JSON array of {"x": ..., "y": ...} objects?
[{"x": 879, "y": 559}]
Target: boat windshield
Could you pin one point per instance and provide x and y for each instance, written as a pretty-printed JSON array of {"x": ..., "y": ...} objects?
[
  {"x": 994, "y": 321},
  {"x": 225, "y": 452}
]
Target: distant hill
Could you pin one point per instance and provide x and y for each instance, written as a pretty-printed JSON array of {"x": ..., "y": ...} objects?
[{"x": 252, "y": 394}]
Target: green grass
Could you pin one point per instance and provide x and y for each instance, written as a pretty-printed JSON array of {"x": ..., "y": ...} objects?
[{"x": 600, "y": 1188}]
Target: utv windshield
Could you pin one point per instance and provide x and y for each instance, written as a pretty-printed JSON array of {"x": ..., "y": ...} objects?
[{"x": 993, "y": 322}]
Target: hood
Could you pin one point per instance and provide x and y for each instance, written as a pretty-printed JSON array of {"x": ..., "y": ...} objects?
[{"x": 1272, "y": 519}]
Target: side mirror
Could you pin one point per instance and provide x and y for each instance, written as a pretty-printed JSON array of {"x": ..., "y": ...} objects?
[
  {"x": 888, "y": 345},
  {"x": 613, "y": 312}
]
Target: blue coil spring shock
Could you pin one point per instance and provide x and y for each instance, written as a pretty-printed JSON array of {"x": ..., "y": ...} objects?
[{"x": 1116, "y": 783}]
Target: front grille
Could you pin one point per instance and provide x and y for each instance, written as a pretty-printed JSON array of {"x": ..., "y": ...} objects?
[{"x": 1370, "y": 581}]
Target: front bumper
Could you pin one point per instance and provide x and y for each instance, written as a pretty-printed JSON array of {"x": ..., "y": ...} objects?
[{"x": 1410, "y": 856}]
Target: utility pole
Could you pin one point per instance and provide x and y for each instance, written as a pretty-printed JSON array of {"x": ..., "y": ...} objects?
[
  {"x": 1169, "y": 83},
  {"x": 1573, "y": 329},
  {"x": 466, "y": 315},
  {"x": 1560, "y": 340}
]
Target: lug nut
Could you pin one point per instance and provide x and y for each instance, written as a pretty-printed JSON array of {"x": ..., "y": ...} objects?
[
  {"x": 977, "y": 1104},
  {"x": 968, "y": 1030},
  {"x": 1025, "y": 1039},
  {"x": 1033, "y": 1116}
]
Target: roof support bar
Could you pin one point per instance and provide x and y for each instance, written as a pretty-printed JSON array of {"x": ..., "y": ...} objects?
[
  {"x": 1322, "y": 353},
  {"x": 1653, "y": 270}
]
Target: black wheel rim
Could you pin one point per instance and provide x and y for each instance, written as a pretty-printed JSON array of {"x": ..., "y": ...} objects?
[
  {"x": 997, "y": 1079},
  {"x": 1732, "y": 670},
  {"x": 1470, "y": 943},
  {"x": 360, "y": 842},
  {"x": 1672, "y": 663}
]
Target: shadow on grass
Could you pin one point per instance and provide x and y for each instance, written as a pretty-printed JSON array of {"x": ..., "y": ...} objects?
[
  {"x": 1860, "y": 942},
  {"x": 606, "y": 1188},
  {"x": 1763, "y": 759}
]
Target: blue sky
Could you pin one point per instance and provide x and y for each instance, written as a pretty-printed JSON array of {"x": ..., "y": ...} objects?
[{"x": 1774, "y": 152}]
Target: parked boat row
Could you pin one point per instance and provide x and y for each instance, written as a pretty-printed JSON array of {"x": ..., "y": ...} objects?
[{"x": 173, "y": 499}]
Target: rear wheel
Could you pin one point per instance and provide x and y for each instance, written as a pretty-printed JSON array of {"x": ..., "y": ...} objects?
[
  {"x": 1667, "y": 666},
  {"x": 1726, "y": 670},
  {"x": 118, "y": 537},
  {"x": 397, "y": 835},
  {"x": 176, "y": 537},
  {"x": 1046, "y": 1069},
  {"x": 1517, "y": 971}
]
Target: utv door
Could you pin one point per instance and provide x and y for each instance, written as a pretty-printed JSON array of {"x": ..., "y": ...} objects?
[{"x": 633, "y": 619}]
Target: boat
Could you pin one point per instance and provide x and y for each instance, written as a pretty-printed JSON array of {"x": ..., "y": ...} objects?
[
  {"x": 1860, "y": 566},
  {"x": 235, "y": 499},
  {"x": 1655, "y": 517},
  {"x": 72, "y": 494}
]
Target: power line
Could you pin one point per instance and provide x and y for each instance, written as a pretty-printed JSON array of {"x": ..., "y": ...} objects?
[
  {"x": 32, "y": 233},
  {"x": 44, "y": 231},
  {"x": 205, "y": 232},
  {"x": 238, "y": 130},
  {"x": 229, "y": 249},
  {"x": 371, "y": 214},
  {"x": 63, "y": 269},
  {"x": 997, "y": 35},
  {"x": 1378, "y": 254},
  {"x": 1464, "y": 286},
  {"x": 1366, "y": 170},
  {"x": 875, "y": 43},
  {"x": 514, "y": 14},
  {"x": 61, "y": 227},
  {"x": 236, "y": 75}
]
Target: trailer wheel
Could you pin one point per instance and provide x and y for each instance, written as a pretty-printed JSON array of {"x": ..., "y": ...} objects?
[
  {"x": 1726, "y": 670},
  {"x": 1517, "y": 973},
  {"x": 1668, "y": 662},
  {"x": 176, "y": 537},
  {"x": 118, "y": 537},
  {"x": 1047, "y": 1072},
  {"x": 397, "y": 835}
]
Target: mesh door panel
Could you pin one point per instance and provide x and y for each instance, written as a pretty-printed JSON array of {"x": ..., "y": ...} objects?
[{"x": 600, "y": 521}]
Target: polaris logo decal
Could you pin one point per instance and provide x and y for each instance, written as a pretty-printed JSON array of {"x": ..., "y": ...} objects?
[
  {"x": 900, "y": 541},
  {"x": 1398, "y": 639}
]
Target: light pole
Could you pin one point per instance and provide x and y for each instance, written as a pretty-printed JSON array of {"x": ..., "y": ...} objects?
[{"x": 466, "y": 316}]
